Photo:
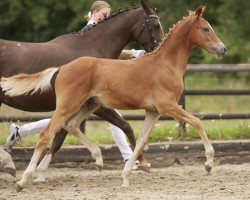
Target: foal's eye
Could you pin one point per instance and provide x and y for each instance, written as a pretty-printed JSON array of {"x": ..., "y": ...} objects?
[{"x": 205, "y": 29}]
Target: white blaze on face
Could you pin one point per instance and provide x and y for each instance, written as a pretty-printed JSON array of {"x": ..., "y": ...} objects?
[{"x": 210, "y": 26}]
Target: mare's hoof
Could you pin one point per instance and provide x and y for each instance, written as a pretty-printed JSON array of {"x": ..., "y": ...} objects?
[
  {"x": 11, "y": 171},
  {"x": 18, "y": 188}
]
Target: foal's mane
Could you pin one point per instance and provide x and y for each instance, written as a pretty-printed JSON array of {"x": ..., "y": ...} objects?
[{"x": 174, "y": 26}]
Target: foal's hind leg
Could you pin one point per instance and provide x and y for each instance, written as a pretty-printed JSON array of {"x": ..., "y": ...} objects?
[
  {"x": 44, "y": 164},
  {"x": 73, "y": 126},
  {"x": 56, "y": 145},
  {"x": 114, "y": 118},
  {"x": 59, "y": 138},
  {"x": 55, "y": 124},
  {"x": 107, "y": 114},
  {"x": 178, "y": 113}
]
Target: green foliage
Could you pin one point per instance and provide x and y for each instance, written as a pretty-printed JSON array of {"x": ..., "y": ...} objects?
[
  {"x": 241, "y": 131},
  {"x": 233, "y": 27},
  {"x": 38, "y": 21}
]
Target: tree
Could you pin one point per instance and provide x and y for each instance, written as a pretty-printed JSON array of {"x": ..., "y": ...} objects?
[{"x": 39, "y": 21}]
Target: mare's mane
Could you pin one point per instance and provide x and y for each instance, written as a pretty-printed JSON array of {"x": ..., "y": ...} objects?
[{"x": 114, "y": 14}]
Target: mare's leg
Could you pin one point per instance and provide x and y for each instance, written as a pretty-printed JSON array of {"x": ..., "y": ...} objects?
[
  {"x": 59, "y": 139},
  {"x": 178, "y": 113},
  {"x": 114, "y": 118},
  {"x": 150, "y": 120},
  {"x": 6, "y": 161},
  {"x": 73, "y": 126}
]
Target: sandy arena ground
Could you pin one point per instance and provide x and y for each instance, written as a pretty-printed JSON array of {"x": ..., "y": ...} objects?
[{"x": 229, "y": 182}]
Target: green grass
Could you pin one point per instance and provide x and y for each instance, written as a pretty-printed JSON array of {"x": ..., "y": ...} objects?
[
  {"x": 164, "y": 131},
  {"x": 218, "y": 129},
  {"x": 240, "y": 130}
]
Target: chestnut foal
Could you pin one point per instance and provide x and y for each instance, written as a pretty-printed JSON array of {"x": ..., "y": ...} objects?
[
  {"x": 138, "y": 23},
  {"x": 153, "y": 82}
]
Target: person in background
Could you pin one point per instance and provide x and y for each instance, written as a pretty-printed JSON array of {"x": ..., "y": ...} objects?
[{"x": 99, "y": 10}]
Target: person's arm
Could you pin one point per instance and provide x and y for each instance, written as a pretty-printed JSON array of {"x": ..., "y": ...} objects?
[{"x": 126, "y": 54}]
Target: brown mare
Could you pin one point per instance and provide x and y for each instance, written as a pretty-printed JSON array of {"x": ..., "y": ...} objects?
[
  {"x": 7, "y": 163},
  {"x": 138, "y": 24},
  {"x": 153, "y": 82}
]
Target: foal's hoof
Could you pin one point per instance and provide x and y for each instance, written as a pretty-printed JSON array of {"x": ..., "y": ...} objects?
[
  {"x": 125, "y": 183},
  {"x": 208, "y": 168},
  {"x": 146, "y": 168},
  {"x": 98, "y": 167},
  {"x": 11, "y": 171},
  {"x": 40, "y": 180},
  {"x": 18, "y": 188}
]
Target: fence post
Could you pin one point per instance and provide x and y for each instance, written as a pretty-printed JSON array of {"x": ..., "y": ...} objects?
[{"x": 182, "y": 125}]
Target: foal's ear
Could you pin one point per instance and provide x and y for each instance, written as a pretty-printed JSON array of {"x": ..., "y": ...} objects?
[
  {"x": 200, "y": 10},
  {"x": 145, "y": 6}
]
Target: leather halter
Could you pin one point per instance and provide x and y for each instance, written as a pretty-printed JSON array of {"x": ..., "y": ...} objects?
[{"x": 150, "y": 28}]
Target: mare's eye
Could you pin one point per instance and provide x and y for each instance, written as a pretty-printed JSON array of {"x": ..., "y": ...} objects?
[
  {"x": 205, "y": 29},
  {"x": 157, "y": 26}
]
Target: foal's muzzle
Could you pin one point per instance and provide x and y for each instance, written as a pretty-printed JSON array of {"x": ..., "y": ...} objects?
[{"x": 219, "y": 49}]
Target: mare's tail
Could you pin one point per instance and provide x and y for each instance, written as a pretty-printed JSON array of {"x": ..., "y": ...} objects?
[{"x": 22, "y": 84}]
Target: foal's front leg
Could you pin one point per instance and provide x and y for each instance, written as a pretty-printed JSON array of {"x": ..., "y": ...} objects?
[
  {"x": 178, "y": 113},
  {"x": 150, "y": 120}
]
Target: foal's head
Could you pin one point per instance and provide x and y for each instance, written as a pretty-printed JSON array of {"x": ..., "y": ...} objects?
[
  {"x": 203, "y": 36},
  {"x": 150, "y": 30}
]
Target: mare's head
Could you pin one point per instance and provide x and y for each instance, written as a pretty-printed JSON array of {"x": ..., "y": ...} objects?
[
  {"x": 203, "y": 36},
  {"x": 148, "y": 28}
]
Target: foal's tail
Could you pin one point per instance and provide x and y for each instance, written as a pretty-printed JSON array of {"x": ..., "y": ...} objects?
[{"x": 22, "y": 84}]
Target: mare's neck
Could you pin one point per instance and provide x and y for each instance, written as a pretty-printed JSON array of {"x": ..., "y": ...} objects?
[{"x": 113, "y": 34}]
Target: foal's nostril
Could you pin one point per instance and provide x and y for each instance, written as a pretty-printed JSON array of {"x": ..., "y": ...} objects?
[{"x": 225, "y": 49}]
